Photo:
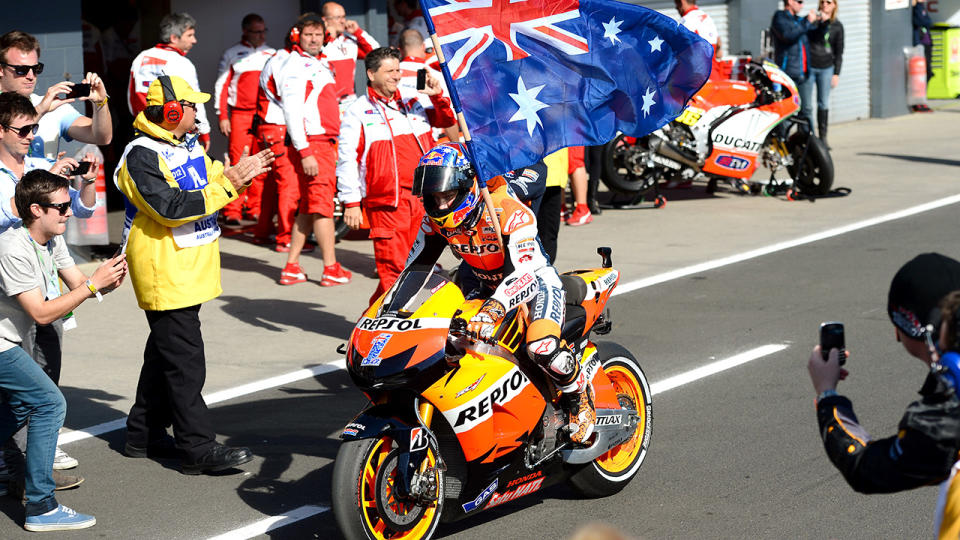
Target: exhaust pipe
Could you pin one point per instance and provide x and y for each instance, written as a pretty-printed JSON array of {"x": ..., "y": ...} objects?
[{"x": 668, "y": 150}]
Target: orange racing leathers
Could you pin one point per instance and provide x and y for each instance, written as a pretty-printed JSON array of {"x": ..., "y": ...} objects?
[{"x": 518, "y": 274}]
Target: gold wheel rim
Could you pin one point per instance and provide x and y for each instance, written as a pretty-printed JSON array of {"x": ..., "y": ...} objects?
[
  {"x": 622, "y": 456},
  {"x": 373, "y": 522}
]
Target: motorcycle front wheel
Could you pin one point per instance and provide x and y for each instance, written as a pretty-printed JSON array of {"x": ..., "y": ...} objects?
[
  {"x": 612, "y": 471},
  {"x": 812, "y": 172},
  {"x": 364, "y": 502}
]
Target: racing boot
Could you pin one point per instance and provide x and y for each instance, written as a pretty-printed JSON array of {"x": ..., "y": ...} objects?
[{"x": 577, "y": 393}]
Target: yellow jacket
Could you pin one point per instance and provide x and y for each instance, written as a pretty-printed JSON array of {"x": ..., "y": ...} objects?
[
  {"x": 557, "y": 168},
  {"x": 173, "y": 192}
]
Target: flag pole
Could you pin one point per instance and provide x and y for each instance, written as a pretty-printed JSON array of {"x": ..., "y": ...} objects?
[{"x": 465, "y": 131}]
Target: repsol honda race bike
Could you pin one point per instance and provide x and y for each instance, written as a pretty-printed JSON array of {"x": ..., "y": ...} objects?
[
  {"x": 729, "y": 129},
  {"x": 457, "y": 425}
]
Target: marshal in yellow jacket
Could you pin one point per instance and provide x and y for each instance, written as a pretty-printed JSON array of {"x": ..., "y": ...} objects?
[{"x": 173, "y": 191}]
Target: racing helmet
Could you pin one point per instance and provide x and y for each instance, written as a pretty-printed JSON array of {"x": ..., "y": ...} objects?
[{"x": 445, "y": 168}]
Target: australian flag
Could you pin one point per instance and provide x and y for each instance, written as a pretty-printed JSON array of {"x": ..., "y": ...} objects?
[{"x": 534, "y": 76}]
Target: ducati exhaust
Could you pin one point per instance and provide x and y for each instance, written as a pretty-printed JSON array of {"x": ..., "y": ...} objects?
[{"x": 668, "y": 150}]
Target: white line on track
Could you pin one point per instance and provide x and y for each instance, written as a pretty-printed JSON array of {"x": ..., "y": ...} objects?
[
  {"x": 216, "y": 397},
  {"x": 713, "y": 368},
  {"x": 780, "y": 246},
  {"x": 274, "y": 522},
  {"x": 304, "y": 512}
]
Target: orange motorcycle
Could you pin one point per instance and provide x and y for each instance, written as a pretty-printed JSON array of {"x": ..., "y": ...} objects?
[{"x": 456, "y": 425}]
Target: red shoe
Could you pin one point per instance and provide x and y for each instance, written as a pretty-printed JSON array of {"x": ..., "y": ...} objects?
[
  {"x": 581, "y": 216},
  {"x": 292, "y": 274},
  {"x": 335, "y": 275}
]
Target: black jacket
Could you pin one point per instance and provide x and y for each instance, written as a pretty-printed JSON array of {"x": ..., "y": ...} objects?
[
  {"x": 790, "y": 44},
  {"x": 826, "y": 46},
  {"x": 922, "y": 453}
]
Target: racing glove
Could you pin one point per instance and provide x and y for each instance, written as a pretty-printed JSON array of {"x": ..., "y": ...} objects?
[{"x": 483, "y": 323}]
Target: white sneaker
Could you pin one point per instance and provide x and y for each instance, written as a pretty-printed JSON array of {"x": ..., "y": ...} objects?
[{"x": 61, "y": 461}]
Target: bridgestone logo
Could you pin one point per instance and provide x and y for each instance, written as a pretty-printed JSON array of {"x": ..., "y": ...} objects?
[{"x": 479, "y": 409}]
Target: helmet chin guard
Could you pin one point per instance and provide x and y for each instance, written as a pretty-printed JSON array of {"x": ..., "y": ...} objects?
[{"x": 442, "y": 170}]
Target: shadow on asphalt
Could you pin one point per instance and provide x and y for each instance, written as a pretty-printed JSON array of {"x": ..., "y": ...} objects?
[
  {"x": 307, "y": 423},
  {"x": 276, "y": 315},
  {"x": 918, "y": 159},
  {"x": 89, "y": 406}
]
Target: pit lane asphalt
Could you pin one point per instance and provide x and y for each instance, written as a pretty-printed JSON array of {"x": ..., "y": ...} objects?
[{"x": 734, "y": 455}]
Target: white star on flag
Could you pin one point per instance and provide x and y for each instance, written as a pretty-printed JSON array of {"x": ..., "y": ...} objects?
[
  {"x": 527, "y": 101},
  {"x": 611, "y": 29},
  {"x": 655, "y": 44},
  {"x": 648, "y": 102}
]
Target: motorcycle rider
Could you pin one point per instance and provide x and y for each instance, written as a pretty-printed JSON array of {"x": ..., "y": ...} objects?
[{"x": 515, "y": 273}]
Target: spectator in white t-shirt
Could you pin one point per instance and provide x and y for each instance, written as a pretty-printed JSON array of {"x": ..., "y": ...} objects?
[{"x": 19, "y": 67}]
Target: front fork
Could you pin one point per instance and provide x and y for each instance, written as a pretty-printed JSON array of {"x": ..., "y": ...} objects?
[{"x": 415, "y": 478}]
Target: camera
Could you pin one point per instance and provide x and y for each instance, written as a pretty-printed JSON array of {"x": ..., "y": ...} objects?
[
  {"x": 831, "y": 337},
  {"x": 421, "y": 79},
  {"x": 79, "y": 90},
  {"x": 82, "y": 168}
]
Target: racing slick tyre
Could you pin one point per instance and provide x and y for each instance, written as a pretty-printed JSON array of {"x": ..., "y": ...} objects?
[
  {"x": 364, "y": 502},
  {"x": 813, "y": 174},
  {"x": 623, "y": 170},
  {"x": 612, "y": 471}
]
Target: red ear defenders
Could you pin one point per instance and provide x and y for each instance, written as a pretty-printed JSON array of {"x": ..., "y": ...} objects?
[
  {"x": 172, "y": 108},
  {"x": 295, "y": 35}
]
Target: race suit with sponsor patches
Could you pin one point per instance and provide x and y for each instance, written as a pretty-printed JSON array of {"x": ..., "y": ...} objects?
[{"x": 520, "y": 274}]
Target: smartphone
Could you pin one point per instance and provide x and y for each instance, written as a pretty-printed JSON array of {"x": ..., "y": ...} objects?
[
  {"x": 82, "y": 168},
  {"x": 79, "y": 90},
  {"x": 421, "y": 79},
  {"x": 831, "y": 337}
]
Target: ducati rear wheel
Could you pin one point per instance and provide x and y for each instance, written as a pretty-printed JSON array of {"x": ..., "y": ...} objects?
[
  {"x": 365, "y": 503},
  {"x": 612, "y": 471}
]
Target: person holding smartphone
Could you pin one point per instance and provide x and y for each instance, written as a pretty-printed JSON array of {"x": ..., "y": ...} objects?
[
  {"x": 33, "y": 260},
  {"x": 928, "y": 438},
  {"x": 20, "y": 67}
]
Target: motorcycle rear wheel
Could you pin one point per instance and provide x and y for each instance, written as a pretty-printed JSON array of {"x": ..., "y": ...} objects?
[
  {"x": 362, "y": 494},
  {"x": 612, "y": 471},
  {"x": 618, "y": 175},
  {"x": 813, "y": 175}
]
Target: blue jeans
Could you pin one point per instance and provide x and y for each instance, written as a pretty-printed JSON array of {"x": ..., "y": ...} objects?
[
  {"x": 806, "y": 98},
  {"x": 821, "y": 77},
  {"x": 29, "y": 394}
]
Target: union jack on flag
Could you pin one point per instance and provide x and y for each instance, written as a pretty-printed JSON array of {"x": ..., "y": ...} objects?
[
  {"x": 486, "y": 22},
  {"x": 534, "y": 76}
]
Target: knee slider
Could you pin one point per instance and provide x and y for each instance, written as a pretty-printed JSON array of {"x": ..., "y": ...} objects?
[{"x": 555, "y": 358}]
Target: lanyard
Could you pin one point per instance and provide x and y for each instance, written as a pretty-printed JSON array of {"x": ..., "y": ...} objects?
[{"x": 51, "y": 281}]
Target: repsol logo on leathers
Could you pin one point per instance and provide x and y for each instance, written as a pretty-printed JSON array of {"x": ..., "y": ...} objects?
[{"x": 479, "y": 409}]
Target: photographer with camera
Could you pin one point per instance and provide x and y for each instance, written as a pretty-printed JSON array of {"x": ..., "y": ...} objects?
[{"x": 928, "y": 438}]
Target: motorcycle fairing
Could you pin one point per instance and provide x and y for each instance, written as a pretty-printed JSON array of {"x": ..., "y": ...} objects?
[{"x": 490, "y": 403}]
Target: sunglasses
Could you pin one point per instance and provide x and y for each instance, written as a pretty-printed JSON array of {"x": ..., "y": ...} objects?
[
  {"x": 23, "y": 131},
  {"x": 188, "y": 104},
  {"x": 21, "y": 71},
  {"x": 61, "y": 207}
]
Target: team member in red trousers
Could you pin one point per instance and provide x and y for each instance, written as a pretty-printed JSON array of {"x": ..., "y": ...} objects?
[
  {"x": 312, "y": 114},
  {"x": 235, "y": 101},
  {"x": 382, "y": 137}
]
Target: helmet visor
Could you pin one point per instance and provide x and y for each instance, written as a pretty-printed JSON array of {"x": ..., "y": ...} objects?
[{"x": 431, "y": 179}]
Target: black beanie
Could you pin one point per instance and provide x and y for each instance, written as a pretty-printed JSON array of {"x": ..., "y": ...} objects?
[{"x": 916, "y": 290}]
